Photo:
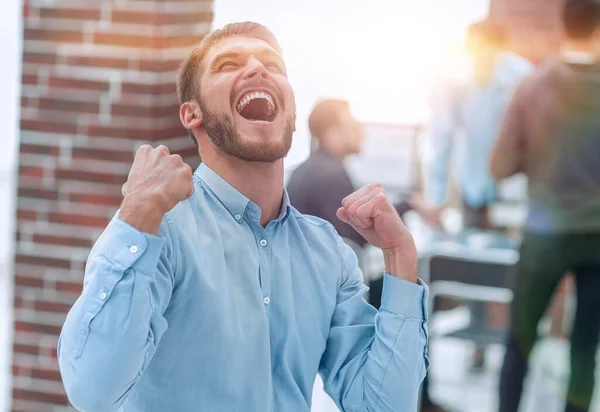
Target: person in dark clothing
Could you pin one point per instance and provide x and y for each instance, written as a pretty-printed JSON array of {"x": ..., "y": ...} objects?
[
  {"x": 552, "y": 134},
  {"x": 317, "y": 186}
]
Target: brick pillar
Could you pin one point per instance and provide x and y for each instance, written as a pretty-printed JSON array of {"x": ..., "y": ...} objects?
[
  {"x": 534, "y": 26},
  {"x": 98, "y": 80}
]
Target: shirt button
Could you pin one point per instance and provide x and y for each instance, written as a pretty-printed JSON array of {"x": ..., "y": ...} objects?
[
  {"x": 133, "y": 249},
  {"x": 263, "y": 242},
  {"x": 267, "y": 300},
  {"x": 103, "y": 296},
  {"x": 237, "y": 217}
]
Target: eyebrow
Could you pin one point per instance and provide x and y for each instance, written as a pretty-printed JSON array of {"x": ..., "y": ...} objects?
[{"x": 236, "y": 55}]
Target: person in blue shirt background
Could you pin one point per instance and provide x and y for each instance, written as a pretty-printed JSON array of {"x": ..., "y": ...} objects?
[
  {"x": 467, "y": 112},
  {"x": 466, "y": 116},
  {"x": 209, "y": 291}
]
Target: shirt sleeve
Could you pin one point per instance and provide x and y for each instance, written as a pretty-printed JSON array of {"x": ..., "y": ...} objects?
[
  {"x": 438, "y": 145},
  {"x": 112, "y": 332},
  {"x": 375, "y": 361}
]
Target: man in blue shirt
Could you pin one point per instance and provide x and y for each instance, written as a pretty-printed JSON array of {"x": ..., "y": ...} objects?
[{"x": 208, "y": 291}]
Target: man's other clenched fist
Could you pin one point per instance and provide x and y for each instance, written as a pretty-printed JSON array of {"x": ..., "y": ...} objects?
[{"x": 157, "y": 181}]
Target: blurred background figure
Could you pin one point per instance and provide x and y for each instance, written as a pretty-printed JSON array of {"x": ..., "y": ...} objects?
[
  {"x": 466, "y": 114},
  {"x": 465, "y": 117},
  {"x": 552, "y": 134},
  {"x": 318, "y": 185}
]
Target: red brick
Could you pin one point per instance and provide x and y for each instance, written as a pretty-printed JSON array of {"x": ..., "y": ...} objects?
[
  {"x": 77, "y": 14},
  {"x": 69, "y": 105},
  {"x": 47, "y": 374},
  {"x": 44, "y": 306},
  {"x": 152, "y": 112},
  {"x": 29, "y": 281},
  {"x": 28, "y": 102},
  {"x": 138, "y": 17},
  {"x": 66, "y": 174},
  {"x": 39, "y": 58},
  {"x": 71, "y": 83},
  {"x": 26, "y": 214},
  {"x": 28, "y": 349},
  {"x": 132, "y": 132},
  {"x": 43, "y": 261},
  {"x": 102, "y": 154},
  {"x": 31, "y": 395},
  {"x": 135, "y": 17},
  {"x": 94, "y": 61},
  {"x": 57, "y": 36},
  {"x": 48, "y": 126},
  {"x": 38, "y": 193},
  {"x": 179, "y": 41},
  {"x": 92, "y": 199},
  {"x": 37, "y": 328},
  {"x": 145, "y": 88},
  {"x": 31, "y": 171},
  {"x": 159, "y": 66},
  {"x": 138, "y": 41},
  {"x": 29, "y": 79},
  {"x": 62, "y": 240},
  {"x": 39, "y": 149},
  {"x": 78, "y": 220},
  {"x": 69, "y": 287},
  {"x": 185, "y": 18}
]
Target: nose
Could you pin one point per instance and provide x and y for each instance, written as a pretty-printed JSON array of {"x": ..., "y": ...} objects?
[{"x": 254, "y": 68}]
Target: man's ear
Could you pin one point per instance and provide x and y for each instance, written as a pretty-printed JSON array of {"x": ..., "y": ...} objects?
[{"x": 190, "y": 115}]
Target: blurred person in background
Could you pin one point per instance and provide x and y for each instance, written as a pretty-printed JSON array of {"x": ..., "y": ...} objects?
[
  {"x": 317, "y": 186},
  {"x": 552, "y": 134},
  {"x": 209, "y": 291},
  {"x": 466, "y": 117}
]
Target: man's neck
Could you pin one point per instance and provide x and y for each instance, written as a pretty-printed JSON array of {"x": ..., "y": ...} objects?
[{"x": 260, "y": 182}]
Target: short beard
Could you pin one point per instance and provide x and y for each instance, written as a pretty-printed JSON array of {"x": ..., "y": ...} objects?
[{"x": 222, "y": 133}]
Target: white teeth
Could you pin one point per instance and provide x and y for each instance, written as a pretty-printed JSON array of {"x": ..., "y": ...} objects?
[{"x": 256, "y": 95}]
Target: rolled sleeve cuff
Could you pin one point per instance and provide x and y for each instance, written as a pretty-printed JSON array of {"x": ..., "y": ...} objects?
[
  {"x": 404, "y": 298},
  {"x": 127, "y": 247}
]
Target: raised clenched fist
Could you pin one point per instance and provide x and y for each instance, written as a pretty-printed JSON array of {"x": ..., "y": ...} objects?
[
  {"x": 157, "y": 181},
  {"x": 371, "y": 214}
]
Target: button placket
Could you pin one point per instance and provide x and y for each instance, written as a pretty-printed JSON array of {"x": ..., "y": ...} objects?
[{"x": 264, "y": 261}]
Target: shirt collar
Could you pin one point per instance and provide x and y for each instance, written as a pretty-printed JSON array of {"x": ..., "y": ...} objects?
[{"x": 235, "y": 202}]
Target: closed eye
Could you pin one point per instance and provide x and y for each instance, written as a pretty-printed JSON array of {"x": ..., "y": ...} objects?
[{"x": 228, "y": 66}]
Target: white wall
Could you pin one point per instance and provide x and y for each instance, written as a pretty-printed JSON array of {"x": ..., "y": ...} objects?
[{"x": 10, "y": 76}]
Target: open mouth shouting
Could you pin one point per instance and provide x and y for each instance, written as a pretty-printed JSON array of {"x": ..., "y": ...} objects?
[{"x": 257, "y": 107}]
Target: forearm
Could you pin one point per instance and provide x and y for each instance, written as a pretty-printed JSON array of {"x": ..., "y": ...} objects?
[
  {"x": 111, "y": 332},
  {"x": 397, "y": 361},
  {"x": 402, "y": 262},
  {"x": 378, "y": 367}
]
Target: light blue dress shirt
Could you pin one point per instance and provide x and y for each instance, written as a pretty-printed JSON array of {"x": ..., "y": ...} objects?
[
  {"x": 466, "y": 119},
  {"x": 217, "y": 313}
]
